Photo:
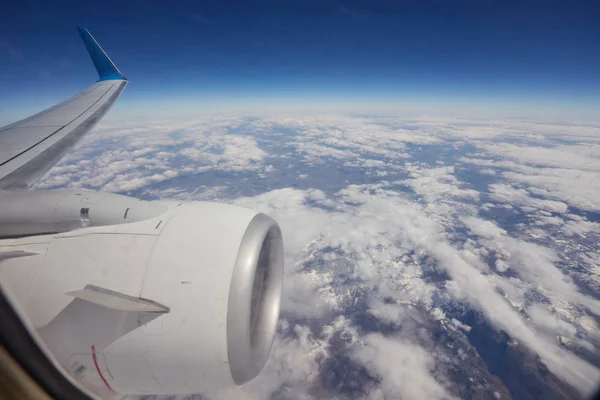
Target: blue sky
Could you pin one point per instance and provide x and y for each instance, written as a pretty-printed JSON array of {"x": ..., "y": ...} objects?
[{"x": 211, "y": 54}]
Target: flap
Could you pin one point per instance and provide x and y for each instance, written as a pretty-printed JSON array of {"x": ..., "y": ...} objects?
[{"x": 118, "y": 301}]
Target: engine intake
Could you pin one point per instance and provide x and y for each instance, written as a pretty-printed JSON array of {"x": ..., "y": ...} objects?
[{"x": 254, "y": 297}]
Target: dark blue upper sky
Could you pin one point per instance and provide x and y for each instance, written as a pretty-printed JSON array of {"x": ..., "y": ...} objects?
[{"x": 303, "y": 52}]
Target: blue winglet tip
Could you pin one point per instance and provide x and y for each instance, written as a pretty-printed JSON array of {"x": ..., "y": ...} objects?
[{"x": 107, "y": 70}]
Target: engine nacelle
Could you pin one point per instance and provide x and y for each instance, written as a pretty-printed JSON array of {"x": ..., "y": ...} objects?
[
  {"x": 217, "y": 271},
  {"x": 26, "y": 213}
]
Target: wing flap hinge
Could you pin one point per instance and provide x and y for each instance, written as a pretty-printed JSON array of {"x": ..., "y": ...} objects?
[
  {"x": 118, "y": 301},
  {"x": 16, "y": 254}
]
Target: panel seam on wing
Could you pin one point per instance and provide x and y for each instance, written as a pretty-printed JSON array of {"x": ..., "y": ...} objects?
[{"x": 58, "y": 130}]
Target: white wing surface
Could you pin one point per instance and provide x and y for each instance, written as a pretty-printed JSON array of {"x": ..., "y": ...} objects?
[{"x": 29, "y": 148}]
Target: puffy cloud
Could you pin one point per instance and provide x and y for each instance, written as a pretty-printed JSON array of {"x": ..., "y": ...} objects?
[
  {"x": 574, "y": 187},
  {"x": 224, "y": 152},
  {"x": 532, "y": 262},
  {"x": 547, "y": 321},
  {"x": 581, "y": 227},
  {"x": 404, "y": 369},
  {"x": 575, "y": 156},
  {"x": 508, "y": 194},
  {"x": 567, "y": 173},
  {"x": 127, "y": 159},
  {"x": 438, "y": 184},
  {"x": 487, "y": 171}
]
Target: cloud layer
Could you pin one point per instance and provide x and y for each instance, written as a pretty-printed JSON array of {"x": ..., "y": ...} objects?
[{"x": 416, "y": 248}]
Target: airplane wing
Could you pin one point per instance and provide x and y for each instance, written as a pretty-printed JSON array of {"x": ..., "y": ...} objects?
[
  {"x": 129, "y": 296},
  {"x": 30, "y": 147}
]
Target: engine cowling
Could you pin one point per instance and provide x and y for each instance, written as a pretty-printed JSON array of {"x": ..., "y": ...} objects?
[{"x": 217, "y": 269}]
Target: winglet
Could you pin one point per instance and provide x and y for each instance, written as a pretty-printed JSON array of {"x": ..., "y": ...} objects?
[{"x": 107, "y": 70}]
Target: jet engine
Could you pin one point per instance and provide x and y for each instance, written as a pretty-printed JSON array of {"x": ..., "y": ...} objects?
[{"x": 183, "y": 302}]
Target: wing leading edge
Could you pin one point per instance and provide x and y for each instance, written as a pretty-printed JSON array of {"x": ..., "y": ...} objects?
[{"x": 30, "y": 147}]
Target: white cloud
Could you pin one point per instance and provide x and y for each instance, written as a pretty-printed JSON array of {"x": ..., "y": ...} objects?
[
  {"x": 127, "y": 159},
  {"x": 568, "y": 173},
  {"x": 551, "y": 323},
  {"x": 436, "y": 184},
  {"x": 576, "y": 157},
  {"x": 508, "y": 194},
  {"x": 487, "y": 171},
  {"x": 532, "y": 262},
  {"x": 574, "y": 187},
  {"x": 224, "y": 152},
  {"x": 404, "y": 369},
  {"x": 581, "y": 227}
]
